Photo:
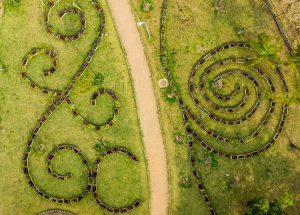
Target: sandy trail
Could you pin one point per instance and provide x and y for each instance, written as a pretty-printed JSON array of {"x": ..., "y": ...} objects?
[
  {"x": 1, "y": 10},
  {"x": 146, "y": 104}
]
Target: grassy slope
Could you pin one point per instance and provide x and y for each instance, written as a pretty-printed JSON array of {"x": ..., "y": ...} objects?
[
  {"x": 120, "y": 181},
  {"x": 192, "y": 29}
]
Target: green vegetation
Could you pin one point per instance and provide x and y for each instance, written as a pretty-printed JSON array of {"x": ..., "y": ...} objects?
[
  {"x": 12, "y": 2},
  {"x": 98, "y": 79},
  {"x": 63, "y": 146},
  {"x": 194, "y": 29},
  {"x": 146, "y": 5},
  {"x": 264, "y": 48},
  {"x": 296, "y": 57},
  {"x": 264, "y": 207}
]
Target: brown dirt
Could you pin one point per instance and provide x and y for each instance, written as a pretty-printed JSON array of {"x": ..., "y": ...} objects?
[{"x": 146, "y": 104}]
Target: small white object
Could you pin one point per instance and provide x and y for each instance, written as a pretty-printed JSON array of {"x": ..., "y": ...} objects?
[
  {"x": 163, "y": 83},
  {"x": 140, "y": 23},
  {"x": 146, "y": 27}
]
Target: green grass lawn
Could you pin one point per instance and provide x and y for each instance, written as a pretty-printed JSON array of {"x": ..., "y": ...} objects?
[
  {"x": 120, "y": 181},
  {"x": 194, "y": 28}
]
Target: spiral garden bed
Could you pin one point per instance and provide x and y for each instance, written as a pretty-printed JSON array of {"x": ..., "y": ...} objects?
[
  {"x": 61, "y": 165},
  {"x": 234, "y": 105}
]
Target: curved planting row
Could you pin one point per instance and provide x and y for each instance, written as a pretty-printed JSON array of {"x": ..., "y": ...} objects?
[
  {"x": 61, "y": 14},
  {"x": 93, "y": 187},
  {"x": 61, "y": 97},
  {"x": 34, "y": 52},
  {"x": 203, "y": 85},
  {"x": 92, "y": 174},
  {"x": 110, "y": 122},
  {"x": 55, "y": 212}
]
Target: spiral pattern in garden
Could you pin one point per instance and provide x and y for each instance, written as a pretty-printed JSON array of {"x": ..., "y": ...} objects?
[
  {"x": 229, "y": 87},
  {"x": 60, "y": 97}
]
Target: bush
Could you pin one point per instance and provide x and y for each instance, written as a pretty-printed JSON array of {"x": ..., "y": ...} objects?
[
  {"x": 186, "y": 181},
  {"x": 101, "y": 146},
  {"x": 146, "y": 5},
  {"x": 169, "y": 94},
  {"x": 98, "y": 79},
  {"x": 262, "y": 206},
  {"x": 264, "y": 48}
]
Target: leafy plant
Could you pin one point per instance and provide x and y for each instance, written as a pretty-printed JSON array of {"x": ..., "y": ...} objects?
[
  {"x": 264, "y": 48},
  {"x": 262, "y": 206},
  {"x": 101, "y": 146},
  {"x": 286, "y": 200},
  {"x": 98, "y": 79},
  {"x": 169, "y": 94},
  {"x": 146, "y": 5}
]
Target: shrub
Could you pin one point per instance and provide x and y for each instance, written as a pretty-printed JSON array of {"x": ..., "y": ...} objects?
[
  {"x": 186, "y": 181},
  {"x": 262, "y": 206},
  {"x": 169, "y": 94},
  {"x": 98, "y": 79},
  {"x": 102, "y": 146},
  {"x": 264, "y": 48},
  {"x": 146, "y": 5}
]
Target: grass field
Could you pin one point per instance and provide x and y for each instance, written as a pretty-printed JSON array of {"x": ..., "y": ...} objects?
[
  {"x": 120, "y": 180},
  {"x": 193, "y": 28}
]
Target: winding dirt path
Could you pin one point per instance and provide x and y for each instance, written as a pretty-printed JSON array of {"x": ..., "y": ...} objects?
[{"x": 146, "y": 104}]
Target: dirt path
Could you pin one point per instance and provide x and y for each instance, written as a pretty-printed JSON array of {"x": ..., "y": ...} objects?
[
  {"x": 146, "y": 104},
  {"x": 1, "y": 10}
]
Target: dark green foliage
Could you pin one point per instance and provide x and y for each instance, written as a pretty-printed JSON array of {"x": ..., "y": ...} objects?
[
  {"x": 264, "y": 48},
  {"x": 146, "y": 5},
  {"x": 262, "y": 206},
  {"x": 214, "y": 162},
  {"x": 101, "y": 146},
  {"x": 98, "y": 79},
  {"x": 169, "y": 94},
  {"x": 210, "y": 84}
]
